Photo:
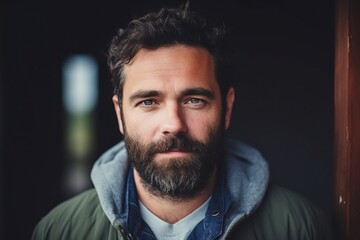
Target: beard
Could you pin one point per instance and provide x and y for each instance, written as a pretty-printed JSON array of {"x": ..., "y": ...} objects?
[{"x": 175, "y": 178}]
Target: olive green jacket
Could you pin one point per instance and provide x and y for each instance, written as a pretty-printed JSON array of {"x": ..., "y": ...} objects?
[
  {"x": 282, "y": 215},
  {"x": 257, "y": 211}
]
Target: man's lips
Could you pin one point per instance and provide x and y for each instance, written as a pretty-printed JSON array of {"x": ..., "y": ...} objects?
[{"x": 174, "y": 152}]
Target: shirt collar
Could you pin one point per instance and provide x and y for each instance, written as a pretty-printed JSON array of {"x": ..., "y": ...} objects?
[{"x": 213, "y": 224}]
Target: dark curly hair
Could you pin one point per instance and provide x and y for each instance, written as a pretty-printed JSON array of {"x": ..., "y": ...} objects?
[{"x": 169, "y": 26}]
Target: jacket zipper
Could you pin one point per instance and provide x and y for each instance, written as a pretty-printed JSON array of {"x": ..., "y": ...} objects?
[{"x": 126, "y": 235}]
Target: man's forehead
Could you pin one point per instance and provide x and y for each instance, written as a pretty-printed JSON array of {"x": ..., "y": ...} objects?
[
  {"x": 191, "y": 52},
  {"x": 175, "y": 64},
  {"x": 176, "y": 88}
]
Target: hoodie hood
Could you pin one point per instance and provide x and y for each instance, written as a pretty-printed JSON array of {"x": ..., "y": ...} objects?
[{"x": 246, "y": 174}]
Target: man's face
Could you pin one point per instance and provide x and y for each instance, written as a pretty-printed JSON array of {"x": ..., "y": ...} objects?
[{"x": 172, "y": 118}]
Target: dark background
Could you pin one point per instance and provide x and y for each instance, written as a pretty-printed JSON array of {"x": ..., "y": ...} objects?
[{"x": 284, "y": 93}]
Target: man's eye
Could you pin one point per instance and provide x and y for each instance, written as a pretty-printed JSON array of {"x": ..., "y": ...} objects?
[
  {"x": 148, "y": 102},
  {"x": 195, "y": 101}
]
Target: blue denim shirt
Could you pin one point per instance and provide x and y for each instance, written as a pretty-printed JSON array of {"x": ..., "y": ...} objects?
[{"x": 209, "y": 228}]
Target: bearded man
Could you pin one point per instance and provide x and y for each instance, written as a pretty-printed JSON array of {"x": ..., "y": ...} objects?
[{"x": 175, "y": 176}]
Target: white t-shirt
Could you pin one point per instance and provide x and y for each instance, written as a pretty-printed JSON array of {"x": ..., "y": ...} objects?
[{"x": 178, "y": 230}]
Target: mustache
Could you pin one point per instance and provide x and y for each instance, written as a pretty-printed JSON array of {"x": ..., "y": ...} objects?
[{"x": 178, "y": 143}]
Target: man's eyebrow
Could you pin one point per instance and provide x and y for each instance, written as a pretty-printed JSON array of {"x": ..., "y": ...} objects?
[
  {"x": 198, "y": 91},
  {"x": 143, "y": 94}
]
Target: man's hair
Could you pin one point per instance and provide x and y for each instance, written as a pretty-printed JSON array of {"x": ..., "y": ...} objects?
[{"x": 168, "y": 27}]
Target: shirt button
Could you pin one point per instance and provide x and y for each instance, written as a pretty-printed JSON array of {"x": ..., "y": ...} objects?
[{"x": 215, "y": 213}]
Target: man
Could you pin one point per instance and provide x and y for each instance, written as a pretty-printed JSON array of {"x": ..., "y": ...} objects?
[{"x": 175, "y": 176}]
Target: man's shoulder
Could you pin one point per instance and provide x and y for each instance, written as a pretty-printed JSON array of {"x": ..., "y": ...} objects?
[
  {"x": 74, "y": 217},
  {"x": 288, "y": 215},
  {"x": 281, "y": 199},
  {"x": 85, "y": 204}
]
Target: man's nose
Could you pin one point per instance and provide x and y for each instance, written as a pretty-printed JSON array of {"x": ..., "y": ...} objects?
[{"x": 174, "y": 121}]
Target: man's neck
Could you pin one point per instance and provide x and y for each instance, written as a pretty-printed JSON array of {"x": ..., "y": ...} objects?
[{"x": 171, "y": 210}]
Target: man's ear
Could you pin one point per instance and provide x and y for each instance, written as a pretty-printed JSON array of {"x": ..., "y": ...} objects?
[
  {"x": 230, "y": 98},
  {"x": 115, "y": 100}
]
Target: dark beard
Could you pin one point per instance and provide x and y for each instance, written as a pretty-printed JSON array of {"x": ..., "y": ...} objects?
[{"x": 175, "y": 178}]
